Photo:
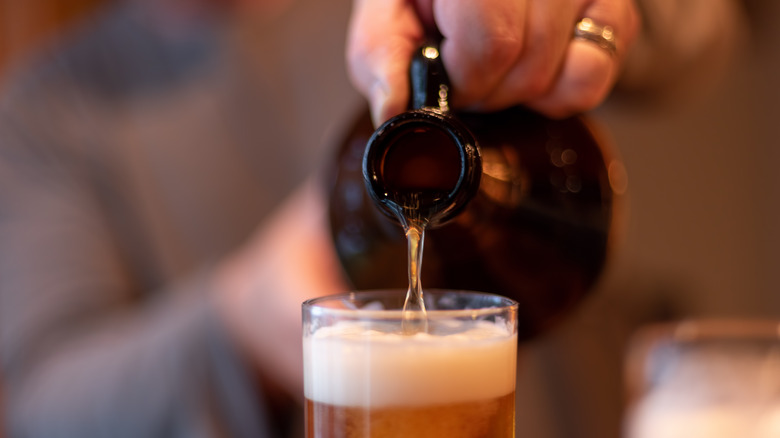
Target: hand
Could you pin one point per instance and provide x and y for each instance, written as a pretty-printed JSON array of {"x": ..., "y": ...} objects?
[{"x": 498, "y": 53}]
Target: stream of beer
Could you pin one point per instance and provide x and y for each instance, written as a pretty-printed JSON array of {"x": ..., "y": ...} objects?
[{"x": 415, "y": 318}]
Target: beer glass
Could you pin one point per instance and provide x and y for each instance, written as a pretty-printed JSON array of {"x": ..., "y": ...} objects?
[
  {"x": 717, "y": 378},
  {"x": 365, "y": 376}
]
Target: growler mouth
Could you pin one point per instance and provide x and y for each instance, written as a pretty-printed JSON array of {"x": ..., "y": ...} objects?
[{"x": 422, "y": 165}]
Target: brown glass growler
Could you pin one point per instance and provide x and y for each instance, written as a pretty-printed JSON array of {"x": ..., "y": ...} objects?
[{"x": 520, "y": 205}]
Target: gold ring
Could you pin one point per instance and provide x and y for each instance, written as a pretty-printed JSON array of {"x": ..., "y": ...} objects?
[{"x": 602, "y": 36}]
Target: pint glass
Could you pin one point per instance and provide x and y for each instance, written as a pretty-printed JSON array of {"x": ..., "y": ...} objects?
[{"x": 366, "y": 377}]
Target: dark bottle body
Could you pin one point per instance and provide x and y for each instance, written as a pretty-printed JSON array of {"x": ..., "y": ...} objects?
[{"x": 537, "y": 230}]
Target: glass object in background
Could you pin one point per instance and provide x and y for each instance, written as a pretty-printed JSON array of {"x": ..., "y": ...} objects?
[
  {"x": 705, "y": 379},
  {"x": 364, "y": 378}
]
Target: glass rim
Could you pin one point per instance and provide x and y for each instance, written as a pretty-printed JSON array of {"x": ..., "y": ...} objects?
[
  {"x": 691, "y": 333},
  {"x": 314, "y": 305},
  {"x": 693, "y": 330}
]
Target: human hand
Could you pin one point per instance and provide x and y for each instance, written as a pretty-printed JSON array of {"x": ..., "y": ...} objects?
[{"x": 498, "y": 53}]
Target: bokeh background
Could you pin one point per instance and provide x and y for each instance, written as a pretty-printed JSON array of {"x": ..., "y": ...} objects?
[{"x": 702, "y": 229}]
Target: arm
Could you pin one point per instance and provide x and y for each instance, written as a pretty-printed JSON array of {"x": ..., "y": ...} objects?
[
  {"x": 86, "y": 352},
  {"x": 89, "y": 345}
]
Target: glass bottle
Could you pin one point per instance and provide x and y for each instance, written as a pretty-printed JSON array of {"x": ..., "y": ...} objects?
[{"x": 521, "y": 205}]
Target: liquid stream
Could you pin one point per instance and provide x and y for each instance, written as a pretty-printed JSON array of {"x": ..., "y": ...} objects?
[
  {"x": 414, "y": 219},
  {"x": 415, "y": 318}
]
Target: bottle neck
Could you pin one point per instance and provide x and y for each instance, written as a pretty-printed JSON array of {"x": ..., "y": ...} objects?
[
  {"x": 423, "y": 164},
  {"x": 423, "y": 167},
  {"x": 429, "y": 81}
]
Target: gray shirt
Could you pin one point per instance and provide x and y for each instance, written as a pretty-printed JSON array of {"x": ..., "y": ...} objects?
[{"x": 130, "y": 162}]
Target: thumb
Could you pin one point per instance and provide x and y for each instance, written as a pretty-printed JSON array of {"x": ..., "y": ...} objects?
[{"x": 380, "y": 42}]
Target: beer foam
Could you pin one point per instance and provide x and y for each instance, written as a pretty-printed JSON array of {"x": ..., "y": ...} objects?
[{"x": 348, "y": 365}]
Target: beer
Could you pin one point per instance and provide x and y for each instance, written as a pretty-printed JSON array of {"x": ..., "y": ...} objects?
[
  {"x": 487, "y": 418},
  {"x": 364, "y": 380}
]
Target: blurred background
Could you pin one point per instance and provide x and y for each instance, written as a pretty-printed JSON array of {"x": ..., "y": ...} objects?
[
  {"x": 25, "y": 26},
  {"x": 701, "y": 234},
  {"x": 701, "y": 239}
]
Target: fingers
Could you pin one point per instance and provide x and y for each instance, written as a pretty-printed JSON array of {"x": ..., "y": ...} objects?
[
  {"x": 381, "y": 39},
  {"x": 483, "y": 40},
  {"x": 584, "y": 82},
  {"x": 554, "y": 73},
  {"x": 498, "y": 53},
  {"x": 588, "y": 71},
  {"x": 547, "y": 36}
]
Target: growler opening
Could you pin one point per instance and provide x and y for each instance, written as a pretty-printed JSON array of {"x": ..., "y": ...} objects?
[{"x": 417, "y": 169}]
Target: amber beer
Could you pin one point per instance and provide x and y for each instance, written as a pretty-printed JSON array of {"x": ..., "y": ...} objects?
[{"x": 364, "y": 378}]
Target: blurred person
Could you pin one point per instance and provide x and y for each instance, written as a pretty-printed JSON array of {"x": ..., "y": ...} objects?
[
  {"x": 137, "y": 158},
  {"x": 161, "y": 215}
]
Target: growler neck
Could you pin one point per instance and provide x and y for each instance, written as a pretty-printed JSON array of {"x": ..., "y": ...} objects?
[
  {"x": 429, "y": 81},
  {"x": 423, "y": 165}
]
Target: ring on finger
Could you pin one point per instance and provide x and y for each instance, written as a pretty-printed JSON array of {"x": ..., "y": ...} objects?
[{"x": 603, "y": 36}]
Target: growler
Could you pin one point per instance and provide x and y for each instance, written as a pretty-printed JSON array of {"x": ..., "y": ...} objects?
[{"x": 513, "y": 202}]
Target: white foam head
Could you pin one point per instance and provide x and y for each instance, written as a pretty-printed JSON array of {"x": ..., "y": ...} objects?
[{"x": 348, "y": 365}]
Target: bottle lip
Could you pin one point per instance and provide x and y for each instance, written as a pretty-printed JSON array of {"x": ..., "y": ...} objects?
[{"x": 470, "y": 160}]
